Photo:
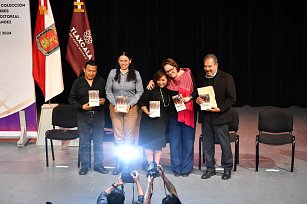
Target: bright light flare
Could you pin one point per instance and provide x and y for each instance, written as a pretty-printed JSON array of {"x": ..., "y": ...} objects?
[{"x": 127, "y": 153}]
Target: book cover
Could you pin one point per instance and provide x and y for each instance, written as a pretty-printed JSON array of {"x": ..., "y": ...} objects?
[
  {"x": 154, "y": 109},
  {"x": 93, "y": 97},
  {"x": 178, "y": 102},
  {"x": 206, "y": 102},
  {"x": 121, "y": 104},
  {"x": 208, "y": 96}
]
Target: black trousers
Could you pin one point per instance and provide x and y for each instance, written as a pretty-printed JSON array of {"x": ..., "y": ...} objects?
[{"x": 212, "y": 133}]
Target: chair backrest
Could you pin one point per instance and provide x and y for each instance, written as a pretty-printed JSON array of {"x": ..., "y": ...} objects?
[
  {"x": 275, "y": 120},
  {"x": 234, "y": 124},
  {"x": 64, "y": 116}
]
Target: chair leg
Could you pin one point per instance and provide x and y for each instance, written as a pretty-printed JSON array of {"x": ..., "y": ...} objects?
[
  {"x": 257, "y": 154},
  {"x": 46, "y": 148},
  {"x": 237, "y": 149},
  {"x": 204, "y": 159},
  {"x": 79, "y": 162},
  {"x": 199, "y": 152},
  {"x": 293, "y": 151},
  {"x": 236, "y": 155},
  {"x": 52, "y": 150}
]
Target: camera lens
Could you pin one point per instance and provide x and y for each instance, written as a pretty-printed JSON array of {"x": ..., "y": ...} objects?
[
  {"x": 126, "y": 176},
  {"x": 153, "y": 170}
]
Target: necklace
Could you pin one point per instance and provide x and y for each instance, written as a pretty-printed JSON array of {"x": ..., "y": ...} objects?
[{"x": 163, "y": 99}]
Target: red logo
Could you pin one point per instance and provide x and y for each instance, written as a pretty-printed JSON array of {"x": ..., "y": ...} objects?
[{"x": 47, "y": 41}]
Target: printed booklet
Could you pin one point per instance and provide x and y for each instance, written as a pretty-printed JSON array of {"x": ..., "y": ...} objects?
[
  {"x": 208, "y": 96},
  {"x": 179, "y": 104},
  {"x": 121, "y": 104},
  {"x": 154, "y": 109},
  {"x": 93, "y": 97}
]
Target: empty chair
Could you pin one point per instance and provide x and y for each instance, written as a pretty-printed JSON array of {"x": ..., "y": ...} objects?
[
  {"x": 234, "y": 137},
  {"x": 64, "y": 117},
  {"x": 275, "y": 128}
]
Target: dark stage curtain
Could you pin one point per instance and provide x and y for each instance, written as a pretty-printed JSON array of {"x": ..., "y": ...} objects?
[{"x": 261, "y": 43}]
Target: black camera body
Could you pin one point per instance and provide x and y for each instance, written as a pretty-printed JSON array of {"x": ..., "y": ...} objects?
[
  {"x": 126, "y": 176},
  {"x": 152, "y": 170}
]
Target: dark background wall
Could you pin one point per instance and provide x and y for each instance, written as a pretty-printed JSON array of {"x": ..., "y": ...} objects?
[{"x": 261, "y": 43}]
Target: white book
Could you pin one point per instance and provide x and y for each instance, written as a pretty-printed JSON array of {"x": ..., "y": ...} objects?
[
  {"x": 121, "y": 104},
  {"x": 154, "y": 109},
  {"x": 178, "y": 102},
  {"x": 93, "y": 97},
  {"x": 208, "y": 96}
]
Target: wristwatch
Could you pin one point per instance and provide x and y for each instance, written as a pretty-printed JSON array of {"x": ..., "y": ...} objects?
[{"x": 114, "y": 186}]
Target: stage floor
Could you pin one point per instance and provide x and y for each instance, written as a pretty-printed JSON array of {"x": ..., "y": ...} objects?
[{"x": 26, "y": 179}]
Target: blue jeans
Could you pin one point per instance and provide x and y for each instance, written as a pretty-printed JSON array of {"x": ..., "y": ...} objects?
[
  {"x": 91, "y": 127},
  {"x": 181, "y": 139}
]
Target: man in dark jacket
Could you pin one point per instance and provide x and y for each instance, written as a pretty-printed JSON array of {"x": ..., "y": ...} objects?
[
  {"x": 215, "y": 120},
  {"x": 91, "y": 120}
]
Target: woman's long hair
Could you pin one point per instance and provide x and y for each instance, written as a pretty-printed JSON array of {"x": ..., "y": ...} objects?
[{"x": 131, "y": 73}]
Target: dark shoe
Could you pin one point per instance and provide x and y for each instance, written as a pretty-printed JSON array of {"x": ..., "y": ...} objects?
[
  {"x": 185, "y": 175},
  {"x": 208, "y": 174},
  {"x": 177, "y": 174},
  {"x": 116, "y": 171},
  {"x": 101, "y": 169},
  {"x": 226, "y": 175},
  {"x": 83, "y": 170}
]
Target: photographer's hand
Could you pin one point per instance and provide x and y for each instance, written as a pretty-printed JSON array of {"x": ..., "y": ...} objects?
[
  {"x": 119, "y": 181},
  {"x": 148, "y": 194},
  {"x": 160, "y": 169},
  {"x": 150, "y": 179},
  {"x": 135, "y": 175},
  {"x": 116, "y": 184}
]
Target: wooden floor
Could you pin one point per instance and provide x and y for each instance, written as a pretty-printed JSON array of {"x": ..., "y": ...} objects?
[{"x": 25, "y": 178}]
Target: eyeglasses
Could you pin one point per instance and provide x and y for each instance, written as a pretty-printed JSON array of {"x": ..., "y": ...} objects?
[
  {"x": 209, "y": 66},
  {"x": 170, "y": 70}
]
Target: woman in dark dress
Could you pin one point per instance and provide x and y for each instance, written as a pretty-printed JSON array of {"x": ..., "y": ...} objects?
[{"x": 152, "y": 127}]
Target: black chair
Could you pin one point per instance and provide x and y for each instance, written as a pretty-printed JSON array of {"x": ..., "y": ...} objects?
[
  {"x": 275, "y": 128},
  {"x": 64, "y": 117},
  {"x": 233, "y": 135}
]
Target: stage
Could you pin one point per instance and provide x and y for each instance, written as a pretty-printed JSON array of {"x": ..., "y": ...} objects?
[{"x": 26, "y": 179}]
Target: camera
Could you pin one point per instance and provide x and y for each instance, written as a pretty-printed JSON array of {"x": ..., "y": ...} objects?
[
  {"x": 126, "y": 176},
  {"x": 152, "y": 170}
]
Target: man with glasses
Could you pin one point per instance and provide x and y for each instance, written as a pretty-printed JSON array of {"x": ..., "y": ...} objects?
[{"x": 215, "y": 120}]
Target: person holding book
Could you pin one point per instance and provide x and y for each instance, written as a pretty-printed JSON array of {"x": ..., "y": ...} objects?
[
  {"x": 181, "y": 124},
  {"x": 154, "y": 104},
  {"x": 215, "y": 120},
  {"x": 181, "y": 116},
  {"x": 124, "y": 84},
  {"x": 91, "y": 119}
]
